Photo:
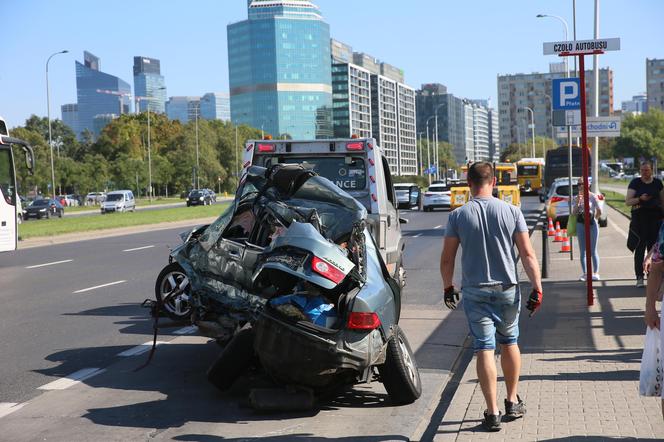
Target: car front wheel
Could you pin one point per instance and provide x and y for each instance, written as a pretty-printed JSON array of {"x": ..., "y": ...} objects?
[{"x": 172, "y": 277}]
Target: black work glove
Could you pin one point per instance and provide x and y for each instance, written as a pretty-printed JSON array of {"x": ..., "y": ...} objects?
[
  {"x": 451, "y": 297},
  {"x": 534, "y": 301}
]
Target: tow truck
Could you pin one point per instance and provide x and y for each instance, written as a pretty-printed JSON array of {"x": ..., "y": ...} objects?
[
  {"x": 356, "y": 165},
  {"x": 506, "y": 189}
]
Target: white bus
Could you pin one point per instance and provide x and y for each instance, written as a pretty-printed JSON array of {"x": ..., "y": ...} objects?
[{"x": 8, "y": 194}]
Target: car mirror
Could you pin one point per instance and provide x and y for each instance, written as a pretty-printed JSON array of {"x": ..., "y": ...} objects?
[{"x": 403, "y": 221}]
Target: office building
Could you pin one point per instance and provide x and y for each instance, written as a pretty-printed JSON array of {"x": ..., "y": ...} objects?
[
  {"x": 518, "y": 91},
  {"x": 98, "y": 93},
  {"x": 456, "y": 123},
  {"x": 149, "y": 85},
  {"x": 70, "y": 116},
  {"x": 494, "y": 135},
  {"x": 279, "y": 69},
  {"x": 215, "y": 106},
  {"x": 636, "y": 106},
  {"x": 371, "y": 100},
  {"x": 100, "y": 121},
  {"x": 480, "y": 125},
  {"x": 655, "y": 83},
  {"x": 183, "y": 109}
]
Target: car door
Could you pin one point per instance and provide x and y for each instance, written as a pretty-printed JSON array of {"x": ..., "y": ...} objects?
[{"x": 392, "y": 230}]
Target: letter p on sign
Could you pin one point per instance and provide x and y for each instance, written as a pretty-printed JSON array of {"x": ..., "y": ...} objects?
[{"x": 566, "y": 94}]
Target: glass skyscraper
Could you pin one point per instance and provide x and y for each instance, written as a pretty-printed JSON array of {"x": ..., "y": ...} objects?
[
  {"x": 215, "y": 106},
  {"x": 90, "y": 81},
  {"x": 279, "y": 69},
  {"x": 148, "y": 82}
]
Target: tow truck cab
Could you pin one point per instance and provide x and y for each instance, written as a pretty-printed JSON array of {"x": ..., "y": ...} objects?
[{"x": 356, "y": 166}]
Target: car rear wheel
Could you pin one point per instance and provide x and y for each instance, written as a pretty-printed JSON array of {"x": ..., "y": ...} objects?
[
  {"x": 171, "y": 277},
  {"x": 399, "y": 373}
]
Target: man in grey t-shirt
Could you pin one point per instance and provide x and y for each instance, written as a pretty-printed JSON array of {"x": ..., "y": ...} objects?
[{"x": 487, "y": 230}]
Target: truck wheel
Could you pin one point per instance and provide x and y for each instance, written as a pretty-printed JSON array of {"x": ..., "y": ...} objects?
[
  {"x": 172, "y": 276},
  {"x": 234, "y": 360},
  {"x": 399, "y": 373}
]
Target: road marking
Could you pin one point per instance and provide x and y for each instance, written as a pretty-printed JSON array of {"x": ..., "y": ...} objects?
[
  {"x": 438, "y": 227},
  {"x": 602, "y": 257},
  {"x": 618, "y": 229},
  {"x": 186, "y": 330},
  {"x": 100, "y": 286},
  {"x": 72, "y": 379},
  {"x": 49, "y": 264},
  {"x": 138, "y": 248},
  {"x": 9, "y": 407},
  {"x": 139, "y": 349},
  {"x": 417, "y": 236}
]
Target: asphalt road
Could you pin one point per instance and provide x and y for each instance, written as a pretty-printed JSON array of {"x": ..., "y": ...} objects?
[{"x": 68, "y": 308}]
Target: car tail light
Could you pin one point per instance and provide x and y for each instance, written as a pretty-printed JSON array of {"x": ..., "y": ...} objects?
[
  {"x": 327, "y": 270},
  {"x": 557, "y": 199},
  {"x": 363, "y": 321},
  {"x": 266, "y": 147},
  {"x": 358, "y": 145}
]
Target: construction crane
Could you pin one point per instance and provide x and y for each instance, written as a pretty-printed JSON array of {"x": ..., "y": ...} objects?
[{"x": 116, "y": 93}]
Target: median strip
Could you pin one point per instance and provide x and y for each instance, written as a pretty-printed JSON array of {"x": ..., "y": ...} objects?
[
  {"x": 138, "y": 248},
  {"x": 72, "y": 379},
  {"x": 49, "y": 264},
  {"x": 100, "y": 286}
]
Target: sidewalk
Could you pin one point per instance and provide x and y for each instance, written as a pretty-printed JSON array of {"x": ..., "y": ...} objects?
[{"x": 580, "y": 368}]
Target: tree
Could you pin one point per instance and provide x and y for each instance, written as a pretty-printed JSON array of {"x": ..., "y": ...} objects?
[
  {"x": 642, "y": 136},
  {"x": 61, "y": 134}
]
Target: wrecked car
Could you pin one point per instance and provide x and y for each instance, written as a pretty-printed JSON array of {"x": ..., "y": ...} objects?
[{"x": 290, "y": 277}]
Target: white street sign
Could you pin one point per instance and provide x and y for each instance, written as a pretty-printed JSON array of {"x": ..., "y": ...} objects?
[
  {"x": 578, "y": 47},
  {"x": 573, "y": 117},
  {"x": 596, "y": 127}
]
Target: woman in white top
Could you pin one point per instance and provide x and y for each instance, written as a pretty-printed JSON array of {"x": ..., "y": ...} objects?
[{"x": 578, "y": 210}]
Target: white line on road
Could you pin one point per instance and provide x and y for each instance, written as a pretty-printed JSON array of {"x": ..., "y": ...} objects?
[
  {"x": 72, "y": 379},
  {"x": 417, "y": 236},
  {"x": 438, "y": 227},
  {"x": 100, "y": 286},
  {"x": 139, "y": 349},
  {"x": 618, "y": 229},
  {"x": 49, "y": 264},
  {"x": 9, "y": 407},
  {"x": 186, "y": 330},
  {"x": 138, "y": 248}
]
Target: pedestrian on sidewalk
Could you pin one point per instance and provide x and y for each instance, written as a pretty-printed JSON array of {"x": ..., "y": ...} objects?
[
  {"x": 645, "y": 195},
  {"x": 487, "y": 229},
  {"x": 655, "y": 268},
  {"x": 595, "y": 212}
]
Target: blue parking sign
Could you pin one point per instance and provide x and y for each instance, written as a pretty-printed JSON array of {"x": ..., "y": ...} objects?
[{"x": 566, "y": 94}]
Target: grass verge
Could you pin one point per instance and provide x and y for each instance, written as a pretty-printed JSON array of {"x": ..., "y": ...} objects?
[
  {"x": 60, "y": 226},
  {"x": 617, "y": 201}
]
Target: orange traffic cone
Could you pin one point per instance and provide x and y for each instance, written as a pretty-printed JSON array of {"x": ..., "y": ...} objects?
[
  {"x": 559, "y": 233},
  {"x": 567, "y": 247},
  {"x": 552, "y": 232}
]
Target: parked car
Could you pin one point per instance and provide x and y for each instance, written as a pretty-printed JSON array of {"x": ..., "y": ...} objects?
[
  {"x": 44, "y": 208},
  {"x": 409, "y": 195},
  {"x": 437, "y": 196},
  {"x": 199, "y": 197},
  {"x": 119, "y": 201},
  {"x": 213, "y": 195},
  {"x": 94, "y": 198},
  {"x": 557, "y": 203}
]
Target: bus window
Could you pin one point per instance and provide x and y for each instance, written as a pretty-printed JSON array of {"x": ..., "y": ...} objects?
[{"x": 7, "y": 181}]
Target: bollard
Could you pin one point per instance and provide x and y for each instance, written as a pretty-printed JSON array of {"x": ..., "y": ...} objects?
[{"x": 545, "y": 253}]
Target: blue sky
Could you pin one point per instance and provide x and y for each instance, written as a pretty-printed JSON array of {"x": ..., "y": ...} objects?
[{"x": 462, "y": 44}]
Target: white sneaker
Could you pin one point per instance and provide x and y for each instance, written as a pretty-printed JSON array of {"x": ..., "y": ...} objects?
[
  {"x": 596, "y": 277},
  {"x": 582, "y": 277},
  {"x": 639, "y": 282}
]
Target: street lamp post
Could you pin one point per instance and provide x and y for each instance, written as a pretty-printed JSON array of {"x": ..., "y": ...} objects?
[
  {"x": 419, "y": 153},
  {"x": 436, "y": 153},
  {"x": 532, "y": 127},
  {"x": 428, "y": 150},
  {"x": 198, "y": 181},
  {"x": 569, "y": 129},
  {"x": 48, "y": 117},
  {"x": 138, "y": 99}
]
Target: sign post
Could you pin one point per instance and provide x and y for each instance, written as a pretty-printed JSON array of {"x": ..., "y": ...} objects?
[{"x": 581, "y": 48}]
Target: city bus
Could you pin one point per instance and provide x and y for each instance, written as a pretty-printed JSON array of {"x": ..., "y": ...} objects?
[
  {"x": 530, "y": 174},
  {"x": 557, "y": 166},
  {"x": 8, "y": 193}
]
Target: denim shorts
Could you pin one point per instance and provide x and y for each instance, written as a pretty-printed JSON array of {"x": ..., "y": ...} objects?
[{"x": 493, "y": 314}]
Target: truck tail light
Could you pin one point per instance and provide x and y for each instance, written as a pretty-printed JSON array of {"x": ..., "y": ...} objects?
[
  {"x": 327, "y": 270},
  {"x": 266, "y": 147},
  {"x": 363, "y": 321},
  {"x": 358, "y": 145}
]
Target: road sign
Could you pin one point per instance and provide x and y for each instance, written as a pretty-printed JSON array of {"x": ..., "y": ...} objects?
[
  {"x": 566, "y": 93},
  {"x": 596, "y": 126},
  {"x": 581, "y": 47}
]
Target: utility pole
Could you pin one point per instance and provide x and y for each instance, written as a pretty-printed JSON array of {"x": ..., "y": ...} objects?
[{"x": 595, "y": 155}]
